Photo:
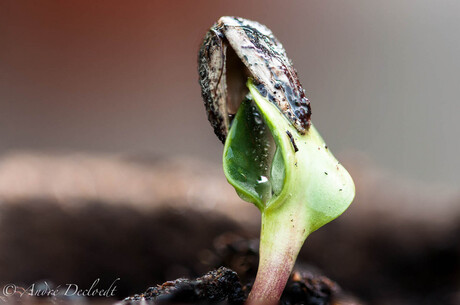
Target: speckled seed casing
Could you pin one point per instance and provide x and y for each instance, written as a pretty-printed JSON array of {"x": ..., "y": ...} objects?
[{"x": 235, "y": 49}]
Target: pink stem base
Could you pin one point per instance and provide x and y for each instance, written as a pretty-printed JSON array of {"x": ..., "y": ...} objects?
[{"x": 270, "y": 282}]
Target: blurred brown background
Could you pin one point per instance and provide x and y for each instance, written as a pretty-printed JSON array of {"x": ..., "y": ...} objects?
[
  {"x": 107, "y": 159},
  {"x": 113, "y": 76}
]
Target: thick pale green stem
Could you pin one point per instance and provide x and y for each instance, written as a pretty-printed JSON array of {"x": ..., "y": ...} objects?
[{"x": 282, "y": 236}]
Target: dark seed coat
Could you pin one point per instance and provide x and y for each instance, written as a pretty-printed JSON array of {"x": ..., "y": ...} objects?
[{"x": 235, "y": 49}]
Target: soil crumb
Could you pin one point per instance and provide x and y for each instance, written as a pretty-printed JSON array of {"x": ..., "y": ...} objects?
[{"x": 307, "y": 288}]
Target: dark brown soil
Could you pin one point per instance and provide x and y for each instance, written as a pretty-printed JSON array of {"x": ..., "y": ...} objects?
[
  {"x": 223, "y": 286},
  {"x": 215, "y": 287}
]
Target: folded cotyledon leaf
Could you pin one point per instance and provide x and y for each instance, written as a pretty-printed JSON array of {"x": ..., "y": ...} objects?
[{"x": 273, "y": 155}]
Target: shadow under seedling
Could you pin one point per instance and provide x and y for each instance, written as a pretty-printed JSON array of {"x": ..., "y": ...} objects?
[{"x": 273, "y": 155}]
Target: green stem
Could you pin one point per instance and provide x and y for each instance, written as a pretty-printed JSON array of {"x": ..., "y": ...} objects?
[{"x": 281, "y": 239}]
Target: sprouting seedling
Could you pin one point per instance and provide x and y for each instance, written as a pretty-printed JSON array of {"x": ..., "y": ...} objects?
[{"x": 273, "y": 155}]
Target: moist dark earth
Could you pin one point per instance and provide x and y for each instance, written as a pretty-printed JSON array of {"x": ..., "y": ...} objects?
[{"x": 222, "y": 286}]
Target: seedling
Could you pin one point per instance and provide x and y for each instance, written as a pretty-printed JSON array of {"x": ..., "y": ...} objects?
[{"x": 273, "y": 155}]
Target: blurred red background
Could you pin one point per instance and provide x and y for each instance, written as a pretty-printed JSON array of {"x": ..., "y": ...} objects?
[{"x": 117, "y": 76}]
